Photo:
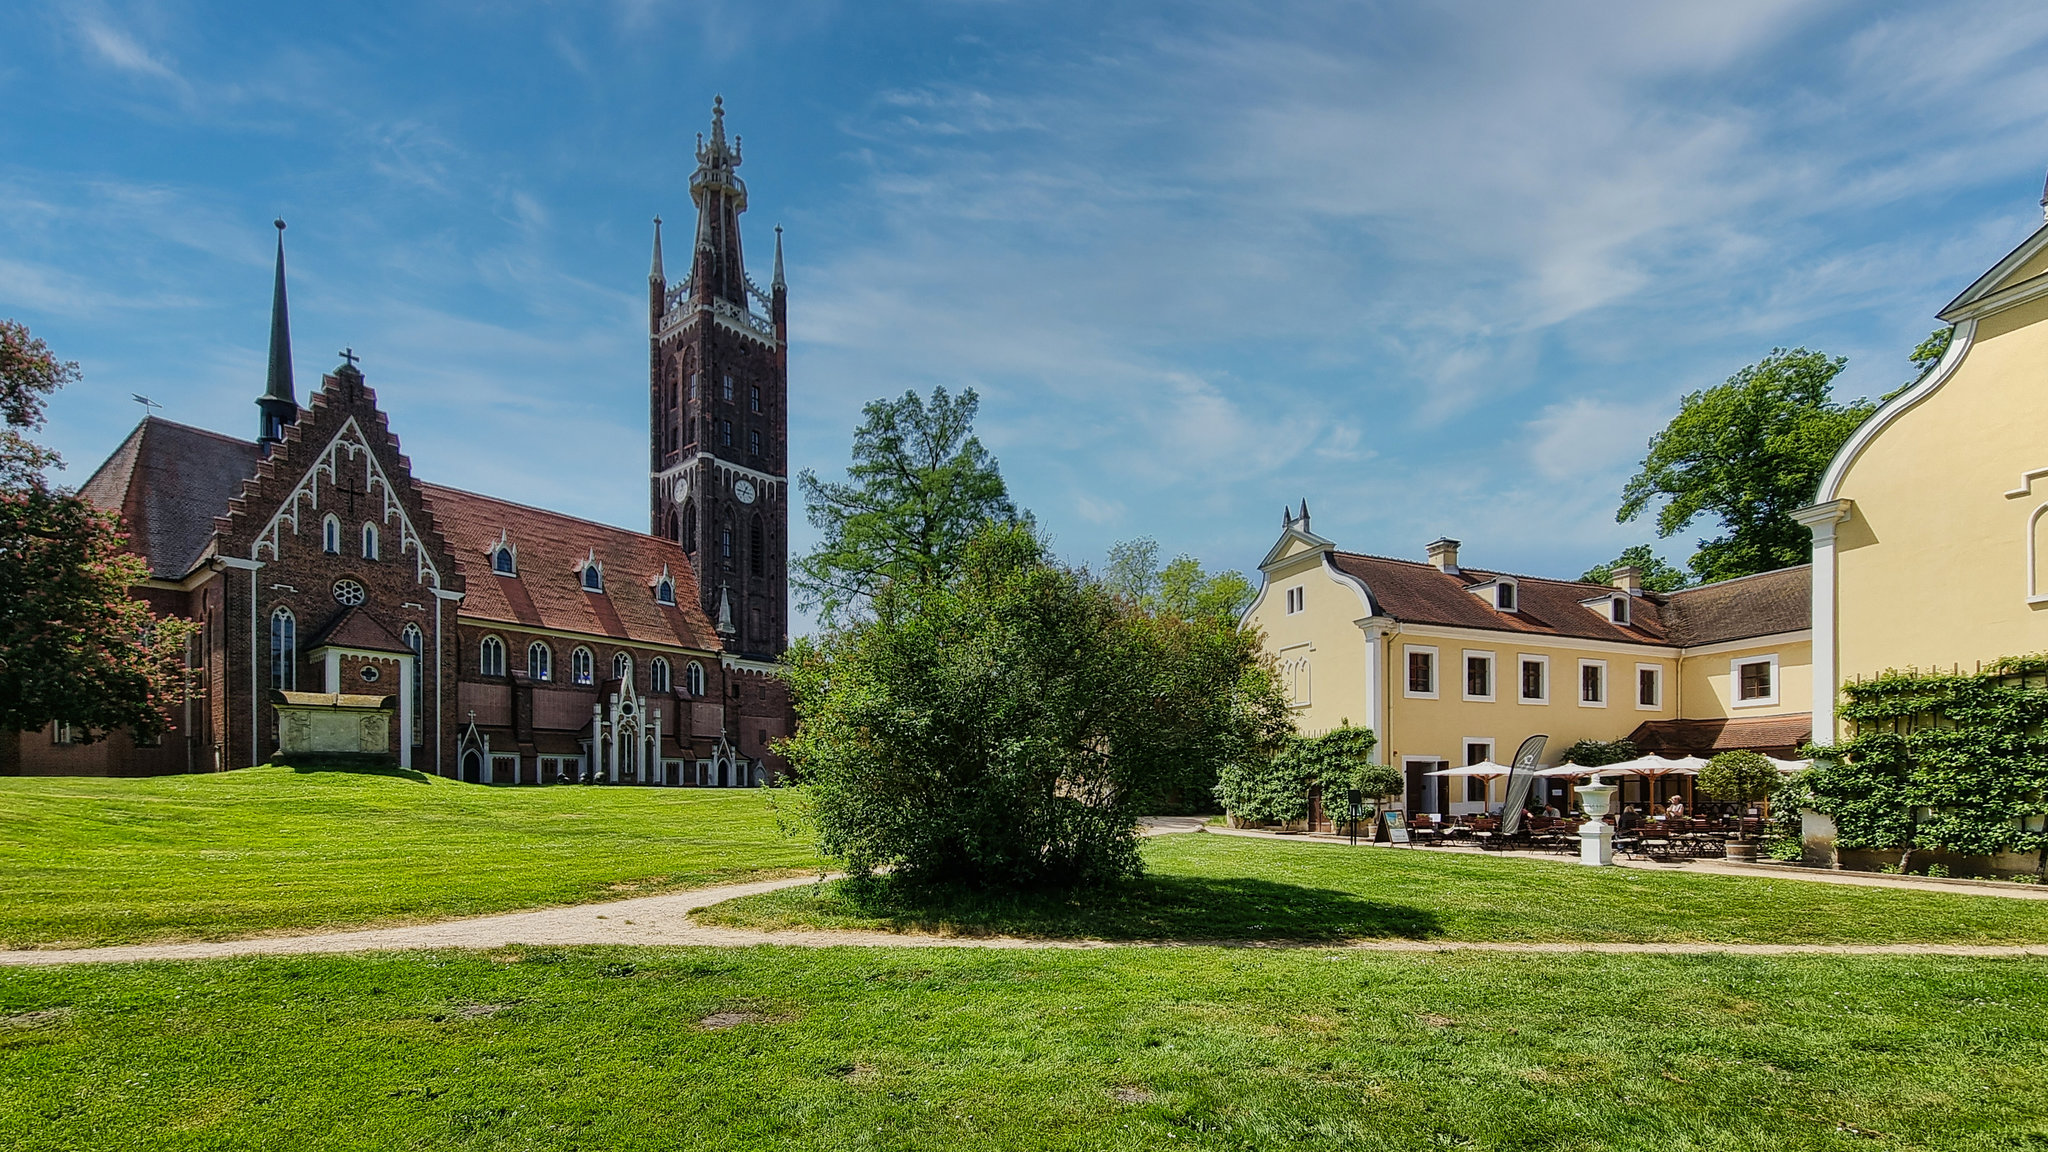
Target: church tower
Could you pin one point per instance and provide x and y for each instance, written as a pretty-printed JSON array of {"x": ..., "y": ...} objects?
[{"x": 719, "y": 374}]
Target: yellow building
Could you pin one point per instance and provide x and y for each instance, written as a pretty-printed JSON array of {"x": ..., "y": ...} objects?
[
  {"x": 1451, "y": 665},
  {"x": 1930, "y": 528}
]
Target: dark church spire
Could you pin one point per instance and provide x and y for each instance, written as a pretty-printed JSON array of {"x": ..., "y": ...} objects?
[
  {"x": 655, "y": 273},
  {"x": 280, "y": 405},
  {"x": 718, "y": 270}
]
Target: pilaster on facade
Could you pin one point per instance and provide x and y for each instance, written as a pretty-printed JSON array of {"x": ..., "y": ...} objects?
[
  {"x": 1378, "y": 630},
  {"x": 1822, "y": 520}
]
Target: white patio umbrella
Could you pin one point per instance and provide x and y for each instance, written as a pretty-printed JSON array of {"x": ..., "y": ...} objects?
[
  {"x": 1789, "y": 766},
  {"x": 1486, "y": 769}
]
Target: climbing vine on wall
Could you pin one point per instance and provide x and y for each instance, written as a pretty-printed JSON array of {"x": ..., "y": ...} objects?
[
  {"x": 1955, "y": 761},
  {"x": 1276, "y": 789}
]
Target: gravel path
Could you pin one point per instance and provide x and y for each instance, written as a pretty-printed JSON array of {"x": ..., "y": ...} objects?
[{"x": 665, "y": 920}]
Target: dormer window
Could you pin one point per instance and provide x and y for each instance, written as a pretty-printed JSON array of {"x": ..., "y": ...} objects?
[
  {"x": 591, "y": 573},
  {"x": 1505, "y": 596},
  {"x": 1619, "y": 610},
  {"x": 503, "y": 557},
  {"x": 665, "y": 589}
]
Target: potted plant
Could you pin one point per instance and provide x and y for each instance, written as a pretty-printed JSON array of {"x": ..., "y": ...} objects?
[{"x": 1744, "y": 777}]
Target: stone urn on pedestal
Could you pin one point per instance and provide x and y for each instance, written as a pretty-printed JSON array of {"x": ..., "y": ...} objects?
[{"x": 1596, "y": 836}]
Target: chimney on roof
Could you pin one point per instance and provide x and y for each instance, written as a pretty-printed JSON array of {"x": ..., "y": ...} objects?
[
  {"x": 1443, "y": 554},
  {"x": 1629, "y": 579}
]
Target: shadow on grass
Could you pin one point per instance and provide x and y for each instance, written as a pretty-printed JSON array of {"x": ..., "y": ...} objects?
[
  {"x": 1152, "y": 908},
  {"x": 363, "y": 767}
]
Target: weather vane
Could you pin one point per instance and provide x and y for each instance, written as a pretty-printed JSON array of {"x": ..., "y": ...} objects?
[{"x": 145, "y": 401}]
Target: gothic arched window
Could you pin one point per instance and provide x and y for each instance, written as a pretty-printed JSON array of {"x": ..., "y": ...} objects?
[
  {"x": 284, "y": 650},
  {"x": 417, "y": 642},
  {"x": 501, "y": 560},
  {"x": 622, "y": 669},
  {"x": 540, "y": 661},
  {"x": 593, "y": 577},
  {"x": 665, "y": 591},
  {"x": 756, "y": 549},
  {"x": 725, "y": 542},
  {"x": 689, "y": 536},
  {"x": 580, "y": 666},
  {"x": 657, "y": 675},
  {"x": 369, "y": 541},
  {"x": 330, "y": 535},
  {"x": 490, "y": 659},
  {"x": 693, "y": 678}
]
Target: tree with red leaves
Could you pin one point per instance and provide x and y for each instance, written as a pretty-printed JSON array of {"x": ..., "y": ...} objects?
[{"x": 75, "y": 647}]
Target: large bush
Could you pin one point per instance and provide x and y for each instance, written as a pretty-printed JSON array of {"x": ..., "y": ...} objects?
[
  {"x": 999, "y": 729},
  {"x": 1275, "y": 789}
]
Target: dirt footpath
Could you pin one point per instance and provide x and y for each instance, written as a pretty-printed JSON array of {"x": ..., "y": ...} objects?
[{"x": 665, "y": 920}]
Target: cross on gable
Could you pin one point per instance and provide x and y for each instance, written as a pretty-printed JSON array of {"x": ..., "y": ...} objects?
[{"x": 349, "y": 354}]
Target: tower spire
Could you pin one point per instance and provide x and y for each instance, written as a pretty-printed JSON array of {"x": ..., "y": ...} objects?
[
  {"x": 279, "y": 405},
  {"x": 718, "y": 270},
  {"x": 655, "y": 273},
  {"x": 777, "y": 282}
]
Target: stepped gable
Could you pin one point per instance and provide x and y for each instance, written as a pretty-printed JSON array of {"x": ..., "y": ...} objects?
[
  {"x": 1416, "y": 592},
  {"x": 1773, "y": 735},
  {"x": 342, "y": 397},
  {"x": 167, "y": 482},
  {"x": 545, "y": 590},
  {"x": 1759, "y": 605}
]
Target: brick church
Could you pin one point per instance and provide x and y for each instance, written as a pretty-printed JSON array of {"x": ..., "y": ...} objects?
[{"x": 349, "y": 608}]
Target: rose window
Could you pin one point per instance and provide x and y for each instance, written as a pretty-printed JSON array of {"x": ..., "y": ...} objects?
[{"x": 349, "y": 592}]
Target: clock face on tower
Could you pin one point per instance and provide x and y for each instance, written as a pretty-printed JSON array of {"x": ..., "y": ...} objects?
[
  {"x": 682, "y": 489},
  {"x": 744, "y": 489}
]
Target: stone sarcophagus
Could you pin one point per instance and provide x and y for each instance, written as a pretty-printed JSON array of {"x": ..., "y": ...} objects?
[{"x": 333, "y": 723}]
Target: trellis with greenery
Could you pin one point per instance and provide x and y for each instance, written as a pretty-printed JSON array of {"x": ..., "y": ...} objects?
[
  {"x": 1941, "y": 761},
  {"x": 1276, "y": 789}
]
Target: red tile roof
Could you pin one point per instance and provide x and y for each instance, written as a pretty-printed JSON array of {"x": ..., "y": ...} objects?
[
  {"x": 550, "y": 548},
  {"x": 1706, "y": 737},
  {"x": 1759, "y": 605},
  {"x": 357, "y": 629},
  {"x": 168, "y": 481},
  {"x": 1419, "y": 593}
]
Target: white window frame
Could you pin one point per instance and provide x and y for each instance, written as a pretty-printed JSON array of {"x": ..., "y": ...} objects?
[
  {"x": 547, "y": 661},
  {"x": 330, "y": 535},
  {"x": 1297, "y": 599},
  {"x": 1658, "y": 706},
  {"x": 1465, "y": 760},
  {"x": 1735, "y": 699},
  {"x": 1620, "y": 612},
  {"x": 1522, "y": 658},
  {"x": 659, "y": 678},
  {"x": 1492, "y": 675},
  {"x": 665, "y": 592},
  {"x": 622, "y": 668},
  {"x": 511, "y": 567},
  {"x": 694, "y": 681},
  {"x": 483, "y": 662},
  {"x": 1606, "y": 684},
  {"x": 582, "y": 666},
  {"x": 1436, "y": 672},
  {"x": 1514, "y": 591}
]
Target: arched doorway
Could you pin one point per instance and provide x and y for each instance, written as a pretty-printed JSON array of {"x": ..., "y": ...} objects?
[{"x": 473, "y": 767}]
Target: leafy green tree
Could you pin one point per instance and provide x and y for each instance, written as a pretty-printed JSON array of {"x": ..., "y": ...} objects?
[
  {"x": 1741, "y": 776},
  {"x": 1002, "y": 728},
  {"x": 1658, "y": 576},
  {"x": 1924, "y": 356},
  {"x": 1182, "y": 589},
  {"x": 919, "y": 488},
  {"x": 1599, "y": 753},
  {"x": 1747, "y": 453},
  {"x": 75, "y": 647}
]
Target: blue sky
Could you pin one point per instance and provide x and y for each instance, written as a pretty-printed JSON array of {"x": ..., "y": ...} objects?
[{"x": 1441, "y": 269}]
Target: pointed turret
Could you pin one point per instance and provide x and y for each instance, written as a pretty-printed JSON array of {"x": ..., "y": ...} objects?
[
  {"x": 778, "y": 302},
  {"x": 279, "y": 406},
  {"x": 718, "y": 270},
  {"x": 655, "y": 273},
  {"x": 778, "y": 285}
]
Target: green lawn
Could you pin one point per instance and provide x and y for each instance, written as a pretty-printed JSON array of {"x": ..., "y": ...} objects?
[
  {"x": 238, "y": 853},
  {"x": 1044, "y": 1049},
  {"x": 1210, "y": 887}
]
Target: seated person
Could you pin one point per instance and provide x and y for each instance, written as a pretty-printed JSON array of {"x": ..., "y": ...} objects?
[{"x": 1675, "y": 808}]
